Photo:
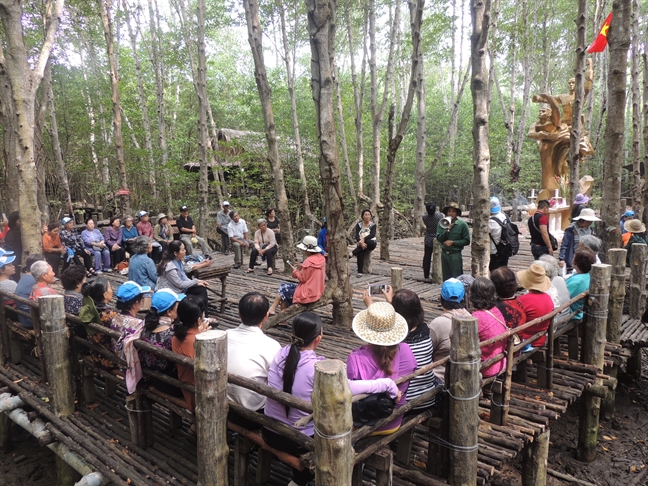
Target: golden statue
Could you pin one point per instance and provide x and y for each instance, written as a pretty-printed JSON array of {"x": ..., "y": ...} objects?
[{"x": 551, "y": 131}]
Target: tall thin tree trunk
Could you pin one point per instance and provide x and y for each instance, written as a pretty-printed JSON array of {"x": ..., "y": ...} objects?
[
  {"x": 23, "y": 82},
  {"x": 619, "y": 41},
  {"x": 343, "y": 142},
  {"x": 636, "y": 113},
  {"x": 378, "y": 112},
  {"x": 421, "y": 140},
  {"x": 575, "y": 134},
  {"x": 293, "y": 106},
  {"x": 64, "y": 185},
  {"x": 203, "y": 139},
  {"x": 480, "y": 10},
  {"x": 644, "y": 189},
  {"x": 416, "y": 16},
  {"x": 255, "y": 36},
  {"x": 132, "y": 34},
  {"x": 117, "y": 123},
  {"x": 528, "y": 77},
  {"x": 91, "y": 117},
  {"x": 158, "y": 68},
  {"x": 321, "y": 27},
  {"x": 40, "y": 156},
  {"x": 358, "y": 95}
]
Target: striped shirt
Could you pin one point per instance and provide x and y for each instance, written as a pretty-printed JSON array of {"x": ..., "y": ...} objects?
[{"x": 421, "y": 345}]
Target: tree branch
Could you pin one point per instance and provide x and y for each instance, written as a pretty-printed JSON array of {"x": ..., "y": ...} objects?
[{"x": 51, "y": 26}]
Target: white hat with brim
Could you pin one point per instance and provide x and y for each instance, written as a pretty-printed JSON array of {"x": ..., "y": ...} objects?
[
  {"x": 586, "y": 214},
  {"x": 535, "y": 278},
  {"x": 309, "y": 244},
  {"x": 380, "y": 324},
  {"x": 634, "y": 226}
]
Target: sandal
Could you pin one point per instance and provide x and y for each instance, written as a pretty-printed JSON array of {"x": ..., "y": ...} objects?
[
  {"x": 249, "y": 270},
  {"x": 269, "y": 271}
]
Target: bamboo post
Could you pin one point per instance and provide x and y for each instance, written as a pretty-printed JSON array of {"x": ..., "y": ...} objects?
[
  {"x": 436, "y": 272},
  {"x": 38, "y": 333},
  {"x": 55, "y": 345},
  {"x": 396, "y": 278},
  {"x": 616, "y": 258},
  {"x": 210, "y": 370},
  {"x": 534, "y": 461},
  {"x": 333, "y": 424},
  {"x": 4, "y": 336},
  {"x": 637, "y": 280},
  {"x": 593, "y": 343},
  {"x": 6, "y": 444},
  {"x": 464, "y": 389},
  {"x": 55, "y": 350}
]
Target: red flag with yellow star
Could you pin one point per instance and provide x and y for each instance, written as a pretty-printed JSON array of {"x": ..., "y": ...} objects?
[{"x": 601, "y": 39}]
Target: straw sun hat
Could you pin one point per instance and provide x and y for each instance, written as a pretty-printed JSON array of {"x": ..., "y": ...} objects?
[
  {"x": 586, "y": 214},
  {"x": 535, "y": 278},
  {"x": 380, "y": 324},
  {"x": 634, "y": 226}
]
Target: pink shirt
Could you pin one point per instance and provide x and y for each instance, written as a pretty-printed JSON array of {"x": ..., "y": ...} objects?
[
  {"x": 361, "y": 365},
  {"x": 311, "y": 279},
  {"x": 491, "y": 324},
  {"x": 145, "y": 228}
]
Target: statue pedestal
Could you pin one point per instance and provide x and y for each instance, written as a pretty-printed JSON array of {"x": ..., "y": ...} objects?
[{"x": 558, "y": 220}]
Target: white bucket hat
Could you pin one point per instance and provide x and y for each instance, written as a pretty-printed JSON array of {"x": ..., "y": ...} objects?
[
  {"x": 380, "y": 324},
  {"x": 309, "y": 244},
  {"x": 586, "y": 214}
]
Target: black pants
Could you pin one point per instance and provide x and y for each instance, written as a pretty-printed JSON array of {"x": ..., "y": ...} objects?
[
  {"x": 225, "y": 241},
  {"x": 117, "y": 256},
  {"x": 236, "y": 419},
  {"x": 171, "y": 372},
  {"x": 360, "y": 253},
  {"x": 427, "y": 260},
  {"x": 291, "y": 447},
  {"x": 200, "y": 292},
  {"x": 87, "y": 260},
  {"x": 538, "y": 251},
  {"x": 270, "y": 255},
  {"x": 497, "y": 261},
  {"x": 54, "y": 259}
]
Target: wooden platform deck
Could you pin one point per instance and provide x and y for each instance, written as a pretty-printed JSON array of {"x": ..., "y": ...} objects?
[{"x": 172, "y": 459}]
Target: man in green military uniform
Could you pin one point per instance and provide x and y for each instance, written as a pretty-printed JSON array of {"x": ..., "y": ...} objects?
[{"x": 453, "y": 238}]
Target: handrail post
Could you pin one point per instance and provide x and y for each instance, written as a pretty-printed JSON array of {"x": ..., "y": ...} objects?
[
  {"x": 594, "y": 353},
  {"x": 464, "y": 388},
  {"x": 210, "y": 371},
  {"x": 56, "y": 345},
  {"x": 396, "y": 278},
  {"x": 549, "y": 358},
  {"x": 4, "y": 334},
  {"x": 334, "y": 455},
  {"x": 637, "y": 300},
  {"x": 616, "y": 258}
]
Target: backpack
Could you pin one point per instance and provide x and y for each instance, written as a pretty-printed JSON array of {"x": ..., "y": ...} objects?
[{"x": 509, "y": 242}]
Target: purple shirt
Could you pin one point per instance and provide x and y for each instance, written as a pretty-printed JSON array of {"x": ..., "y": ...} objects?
[
  {"x": 113, "y": 236},
  {"x": 491, "y": 324},
  {"x": 303, "y": 387},
  {"x": 361, "y": 365},
  {"x": 90, "y": 237}
]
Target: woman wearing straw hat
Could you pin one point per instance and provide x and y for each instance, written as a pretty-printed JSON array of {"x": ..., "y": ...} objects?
[
  {"x": 163, "y": 233},
  {"x": 311, "y": 274},
  {"x": 537, "y": 302},
  {"x": 293, "y": 371},
  {"x": 385, "y": 355},
  {"x": 638, "y": 231},
  {"x": 580, "y": 227}
]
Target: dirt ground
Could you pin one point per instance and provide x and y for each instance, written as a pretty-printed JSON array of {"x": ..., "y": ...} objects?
[{"x": 621, "y": 460}]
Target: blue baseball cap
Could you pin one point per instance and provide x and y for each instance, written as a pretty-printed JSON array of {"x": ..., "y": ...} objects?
[
  {"x": 5, "y": 252},
  {"x": 164, "y": 299},
  {"x": 66, "y": 220},
  {"x": 129, "y": 290},
  {"x": 452, "y": 290},
  {"x": 142, "y": 213},
  {"x": 495, "y": 205},
  {"x": 6, "y": 260},
  {"x": 629, "y": 214}
]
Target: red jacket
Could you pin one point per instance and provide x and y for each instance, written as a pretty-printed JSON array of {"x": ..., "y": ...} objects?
[{"x": 311, "y": 279}]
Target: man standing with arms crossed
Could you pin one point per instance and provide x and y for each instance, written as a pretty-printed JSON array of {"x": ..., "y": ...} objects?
[{"x": 223, "y": 219}]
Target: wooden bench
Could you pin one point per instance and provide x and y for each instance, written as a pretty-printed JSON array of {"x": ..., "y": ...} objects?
[{"x": 215, "y": 272}]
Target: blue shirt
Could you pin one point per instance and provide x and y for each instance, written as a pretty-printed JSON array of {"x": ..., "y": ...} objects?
[
  {"x": 23, "y": 290},
  {"x": 577, "y": 284},
  {"x": 141, "y": 269},
  {"x": 127, "y": 234}
]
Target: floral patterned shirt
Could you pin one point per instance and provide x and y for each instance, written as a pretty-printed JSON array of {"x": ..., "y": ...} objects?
[
  {"x": 72, "y": 239},
  {"x": 161, "y": 340}
]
